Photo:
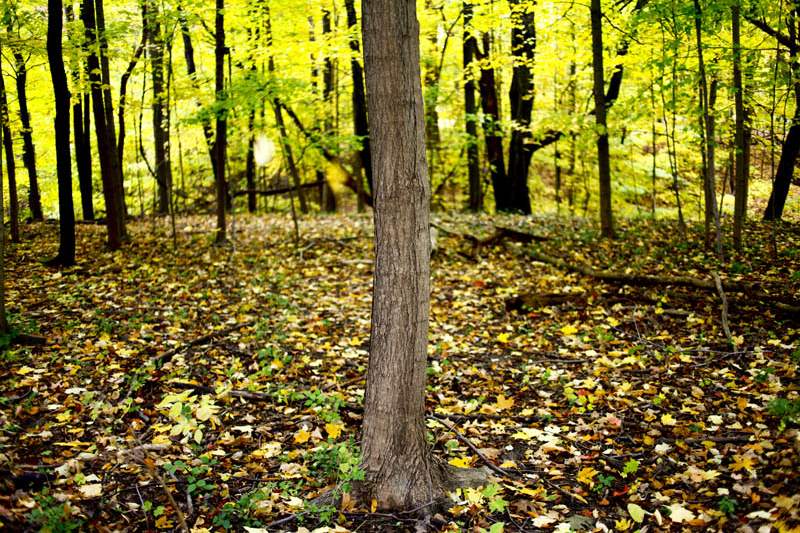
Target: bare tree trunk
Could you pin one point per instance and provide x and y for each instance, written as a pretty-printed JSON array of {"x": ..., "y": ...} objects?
[
  {"x": 3, "y": 317},
  {"x": 492, "y": 129},
  {"x": 160, "y": 105},
  {"x": 400, "y": 471},
  {"x": 523, "y": 46},
  {"x": 66, "y": 213},
  {"x": 741, "y": 179},
  {"x": 603, "y": 159},
  {"x": 470, "y": 48},
  {"x": 28, "y": 149},
  {"x": 81, "y": 123},
  {"x": 329, "y": 200},
  {"x": 359, "y": 99},
  {"x": 123, "y": 84},
  {"x": 221, "y": 142},
  {"x": 8, "y": 148},
  {"x": 106, "y": 142}
]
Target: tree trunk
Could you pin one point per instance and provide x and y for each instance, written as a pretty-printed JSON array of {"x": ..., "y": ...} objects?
[
  {"x": 160, "y": 106},
  {"x": 359, "y": 96},
  {"x": 221, "y": 142},
  {"x": 81, "y": 124},
  {"x": 329, "y": 200},
  {"x": 469, "y": 48},
  {"x": 603, "y": 160},
  {"x": 66, "y": 213},
  {"x": 106, "y": 142},
  {"x": 3, "y": 318},
  {"x": 791, "y": 144},
  {"x": 123, "y": 84},
  {"x": 400, "y": 472},
  {"x": 740, "y": 202},
  {"x": 28, "y": 150},
  {"x": 711, "y": 219},
  {"x": 191, "y": 70},
  {"x": 492, "y": 129},
  {"x": 523, "y": 46},
  {"x": 8, "y": 148}
]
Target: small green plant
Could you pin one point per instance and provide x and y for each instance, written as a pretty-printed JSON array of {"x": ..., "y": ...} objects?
[
  {"x": 727, "y": 505},
  {"x": 496, "y": 502},
  {"x": 52, "y": 516},
  {"x": 788, "y": 411},
  {"x": 337, "y": 462},
  {"x": 239, "y": 513},
  {"x": 604, "y": 483},
  {"x": 631, "y": 467},
  {"x": 195, "y": 475}
]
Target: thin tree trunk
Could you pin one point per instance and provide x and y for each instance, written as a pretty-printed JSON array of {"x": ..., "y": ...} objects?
[
  {"x": 28, "y": 149},
  {"x": 3, "y": 317},
  {"x": 8, "y": 148},
  {"x": 55, "y": 59},
  {"x": 469, "y": 49},
  {"x": 160, "y": 105},
  {"x": 492, "y": 129},
  {"x": 329, "y": 200},
  {"x": 359, "y": 97},
  {"x": 523, "y": 46},
  {"x": 221, "y": 142},
  {"x": 106, "y": 143},
  {"x": 603, "y": 159},
  {"x": 740, "y": 201},
  {"x": 81, "y": 124},
  {"x": 123, "y": 84}
]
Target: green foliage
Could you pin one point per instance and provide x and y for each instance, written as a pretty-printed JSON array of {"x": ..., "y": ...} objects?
[
  {"x": 338, "y": 463},
  {"x": 52, "y": 516},
  {"x": 727, "y": 505},
  {"x": 239, "y": 513},
  {"x": 787, "y": 410}
]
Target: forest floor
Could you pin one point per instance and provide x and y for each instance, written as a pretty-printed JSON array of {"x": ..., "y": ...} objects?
[{"x": 227, "y": 381}]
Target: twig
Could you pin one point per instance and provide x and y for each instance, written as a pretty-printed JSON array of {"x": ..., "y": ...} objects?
[
  {"x": 472, "y": 447},
  {"x": 166, "y": 356},
  {"x": 149, "y": 465},
  {"x": 725, "y": 325}
]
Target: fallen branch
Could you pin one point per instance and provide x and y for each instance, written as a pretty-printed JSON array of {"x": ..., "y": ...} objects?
[
  {"x": 749, "y": 289},
  {"x": 162, "y": 359},
  {"x": 476, "y": 451},
  {"x": 725, "y": 326}
]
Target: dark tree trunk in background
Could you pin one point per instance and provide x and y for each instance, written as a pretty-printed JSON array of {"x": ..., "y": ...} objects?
[
  {"x": 221, "y": 142},
  {"x": 791, "y": 144},
  {"x": 470, "y": 49},
  {"x": 328, "y": 198},
  {"x": 523, "y": 47},
  {"x": 191, "y": 70},
  {"x": 3, "y": 317},
  {"x": 400, "y": 471},
  {"x": 741, "y": 179},
  {"x": 123, "y": 84},
  {"x": 250, "y": 163},
  {"x": 160, "y": 106},
  {"x": 81, "y": 123},
  {"x": 8, "y": 149},
  {"x": 28, "y": 150},
  {"x": 359, "y": 96},
  {"x": 492, "y": 129},
  {"x": 106, "y": 142},
  {"x": 66, "y": 213},
  {"x": 603, "y": 159}
]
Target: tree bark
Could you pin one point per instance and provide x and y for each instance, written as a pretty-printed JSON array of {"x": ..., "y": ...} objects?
[
  {"x": 400, "y": 471},
  {"x": 3, "y": 317},
  {"x": 81, "y": 124},
  {"x": 469, "y": 49},
  {"x": 603, "y": 159},
  {"x": 123, "y": 83},
  {"x": 66, "y": 213},
  {"x": 106, "y": 142},
  {"x": 523, "y": 46},
  {"x": 492, "y": 129},
  {"x": 359, "y": 96},
  {"x": 741, "y": 179},
  {"x": 160, "y": 105},
  {"x": 28, "y": 149},
  {"x": 8, "y": 148},
  {"x": 221, "y": 142}
]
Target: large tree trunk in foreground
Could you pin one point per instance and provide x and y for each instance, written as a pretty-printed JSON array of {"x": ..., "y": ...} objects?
[
  {"x": 603, "y": 158},
  {"x": 66, "y": 215},
  {"x": 400, "y": 472}
]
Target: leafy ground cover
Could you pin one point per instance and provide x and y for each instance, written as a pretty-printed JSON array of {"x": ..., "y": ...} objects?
[{"x": 222, "y": 387}]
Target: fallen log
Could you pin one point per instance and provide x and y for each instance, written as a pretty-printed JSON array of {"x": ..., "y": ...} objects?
[
  {"x": 753, "y": 290},
  {"x": 497, "y": 236}
]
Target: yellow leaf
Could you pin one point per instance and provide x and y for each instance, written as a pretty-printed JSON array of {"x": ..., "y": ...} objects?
[
  {"x": 503, "y": 337},
  {"x": 373, "y": 505},
  {"x": 613, "y": 322},
  {"x": 334, "y": 429},
  {"x": 63, "y": 417},
  {"x": 636, "y": 512},
  {"x": 743, "y": 462},
  {"x": 503, "y": 402},
  {"x": 569, "y": 329},
  {"x": 461, "y": 462},
  {"x": 25, "y": 370},
  {"x": 623, "y": 524},
  {"x": 586, "y": 476},
  {"x": 668, "y": 420},
  {"x": 302, "y": 436}
]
